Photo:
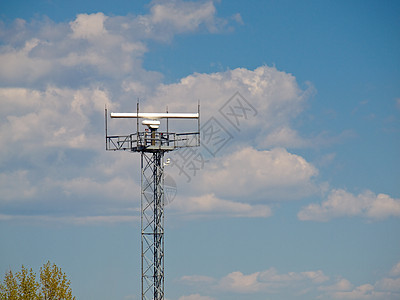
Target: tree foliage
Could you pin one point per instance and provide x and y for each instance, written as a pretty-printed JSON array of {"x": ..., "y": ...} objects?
[{"x": 53, "y": 285}]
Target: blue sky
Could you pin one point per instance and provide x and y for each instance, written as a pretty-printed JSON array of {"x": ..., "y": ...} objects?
[{"x": 301, "y": 202}]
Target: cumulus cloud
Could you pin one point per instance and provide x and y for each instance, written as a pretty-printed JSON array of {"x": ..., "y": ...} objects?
[
  {"x": 341, "y": 203},
  {"x": 341, "y": 284},
  {"x": 389, "y": 284},
  {"x": 395, "y": 270},
  {"x": 56, "y": 79},
  {"x": 53, "y": 122},
  {"x": 94, "y": 47},
  {"x": 268, "y": 281},
  {"x": 16, "y": 186},
  {"x": 196, "y": 297},
  {"x": 88, "y": 26},
  {"x": 239, "y": 282},
  {"x": 274, "y": 96},
  {"x": 315, "y": 283},
  {"x": 384, "y": 289},
  {"x": 257, "y": 175},
  {"x": 54, "y": 151},
  {"x": 74, "y": 220},
  {"x": 179, "y": 16},
  {"x": 244, "y": 183},
  {"x": 365, "y": 291},
  {"x": 17, "y": 63},
  {"x": 80, "y": 200},
  {"x": 209, "y": 204},
  {"x": 45, "y": 120},
  {"x": 84, "y": 186},
  {"x": 286, "y": 137}
]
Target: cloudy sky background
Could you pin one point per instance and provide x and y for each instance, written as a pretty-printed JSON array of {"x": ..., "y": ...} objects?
[{"x": 301, "y": 202}]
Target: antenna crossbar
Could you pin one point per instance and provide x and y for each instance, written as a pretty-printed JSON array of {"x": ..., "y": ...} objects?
[{"x": 155, "y": 115}]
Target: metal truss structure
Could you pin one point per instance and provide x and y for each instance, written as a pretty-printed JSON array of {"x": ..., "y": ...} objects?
[
  {"x": 152, "y": 145},
  {"x": 152, "y": 225}
]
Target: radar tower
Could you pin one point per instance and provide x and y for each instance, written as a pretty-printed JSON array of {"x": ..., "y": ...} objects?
[{"x": 152, "y": 144}]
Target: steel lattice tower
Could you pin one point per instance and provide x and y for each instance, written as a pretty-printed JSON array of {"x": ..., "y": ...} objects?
[
  {"x": 152, "y": 225},
  {"x": 152, "y": 145}
]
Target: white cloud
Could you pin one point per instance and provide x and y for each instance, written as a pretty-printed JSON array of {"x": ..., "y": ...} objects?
[
  {"x": 316, "y": 276},
  {"x": 395, "y": 270},
  {"x": 42, "y": 121},
  {"x": 18, "y": 101},
  {"x": 209, "y": 204},
  {"x": 172, "y": 17},
  {"x": 314, "y": 283},
  {"x": 340, "y": 285},
  {"x": 57, "y": 119},
  {"x": 57, "y": 77},
  {"x": 16, "y": 186},
  {"x": 74, "y": 220},
  {"x": 119, "y": 188},
  {"x": 273, "y": 98},
  {"x": 196, "y": 297},
  {"x": 239, "y": 282},
  {"x": 389, "y": 284},
  {"x": 183, "y": 16},
  {"x": 274, "y": 94},
  {"x": 17, "y": 63},
  {"x": 285, "y": 137},
  {"x": 383, "y": 206},
  {"x": 358, "y": 293},
  {"x": 238, "y": 18},
  {"x": 272, "y": 276},
  {"x": 88, "y": 26},
  {"x": 365, "y": 291},
  {"x": 341, "y": 203},
  {"x": 269, "y": 281},
  {"x": 260, "y": 175},
  {"x": 55, "y": 154},
  {"x": 385, "y": 288},
  {"x": 80, "y": 200},
  {"x": 95, "y": 46}
]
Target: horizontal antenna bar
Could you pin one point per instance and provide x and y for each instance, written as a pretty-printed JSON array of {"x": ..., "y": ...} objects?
[{"x": 156, "y": 115}]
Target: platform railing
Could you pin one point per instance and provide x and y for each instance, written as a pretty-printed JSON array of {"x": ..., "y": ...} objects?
[{"x": 147, "y": 140}]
